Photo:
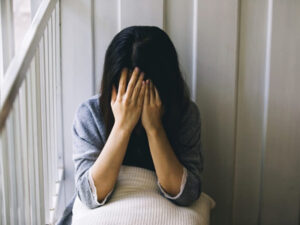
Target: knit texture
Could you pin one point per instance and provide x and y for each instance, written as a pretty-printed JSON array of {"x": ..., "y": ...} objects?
[
  {"x": 94, "y": 189},
  {"x": 136, "y": 199}
]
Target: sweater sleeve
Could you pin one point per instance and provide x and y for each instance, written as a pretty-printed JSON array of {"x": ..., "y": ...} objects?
[
  {"x": 94, "y": 191},
  {"x": 87, "y": 145},
  {"x": 188, "y": 149},
  {"x": 183, "y": 181}
]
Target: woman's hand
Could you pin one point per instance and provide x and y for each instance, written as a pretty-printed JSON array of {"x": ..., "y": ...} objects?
[
  {"x": 127, "y": 104},
  {"x": 152, "y": 108}
]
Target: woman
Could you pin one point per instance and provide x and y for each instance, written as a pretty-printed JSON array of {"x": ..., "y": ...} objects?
[{"x": 143, "y": 117}]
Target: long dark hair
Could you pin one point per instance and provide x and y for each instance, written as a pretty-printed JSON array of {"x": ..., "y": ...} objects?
[{"x": 150, "y": 49}]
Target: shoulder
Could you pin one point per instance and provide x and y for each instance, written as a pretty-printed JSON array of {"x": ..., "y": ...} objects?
[
  {"x": 88, "y": 119},
  {"x": 191, "y": 116},
  {"x": 189, "y": 133},
  {"x": 89, "y": 108}
]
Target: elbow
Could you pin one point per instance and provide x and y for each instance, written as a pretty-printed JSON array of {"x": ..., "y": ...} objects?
[
  {"x": 85, "y": 198},
  {"x": 190, "y": 195},
  {"x": 85, "y": 195}
]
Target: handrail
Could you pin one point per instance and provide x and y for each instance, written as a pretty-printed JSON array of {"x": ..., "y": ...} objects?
[
  {"x": 16, "y": 70},
  {"x": 31, "y": 140}
]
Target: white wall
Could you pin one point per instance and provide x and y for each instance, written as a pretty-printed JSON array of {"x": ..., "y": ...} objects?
[{"x": 240, "y": 59}]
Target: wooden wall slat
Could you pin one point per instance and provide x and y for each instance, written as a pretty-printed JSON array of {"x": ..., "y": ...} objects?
[
  {"x": 250, "y": 111},
  {"x": 106, "y": 27},
  {"x": 180, "y": 30},
  {"x": 77, "y": 72},
  {"x": 216, "y": 98},
  {"x": 231, "y": 92},
  {"x": 141, "y": 12},
  {"x": 281, "y": 183}
]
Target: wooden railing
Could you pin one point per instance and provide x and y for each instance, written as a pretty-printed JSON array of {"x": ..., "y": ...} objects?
[{"x": 31, "y": 144}]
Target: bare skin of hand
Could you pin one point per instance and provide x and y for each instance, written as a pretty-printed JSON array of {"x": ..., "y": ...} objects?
[
  {"x": 152, "y": 108},
  {"x": 168, "y": 168},
  {"x": 127, "y": 107}
]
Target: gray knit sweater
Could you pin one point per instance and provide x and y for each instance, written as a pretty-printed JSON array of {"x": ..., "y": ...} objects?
[{"x": 88, "y": 133}]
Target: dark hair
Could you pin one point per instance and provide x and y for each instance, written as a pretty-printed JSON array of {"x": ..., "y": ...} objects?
[{"x": 150, "y": 49}]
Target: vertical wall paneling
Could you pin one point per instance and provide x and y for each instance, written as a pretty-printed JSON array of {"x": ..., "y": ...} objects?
[
  {"x": 105, "y": 27},
  {"x": 141, "y": 12},
  {"x": 195, "y": 50},
  {"x": 281, "y": 177},
  {"x": 240, "y": 61},
  {"x": 216, "y": 87},
  {"x": 77, "y": 67},
  {"x": 250, "y": 108},
  {"x": 180, "y": 29}
]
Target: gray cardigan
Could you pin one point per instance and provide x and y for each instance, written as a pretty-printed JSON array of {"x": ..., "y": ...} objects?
[{"x": 88, "y": 133}]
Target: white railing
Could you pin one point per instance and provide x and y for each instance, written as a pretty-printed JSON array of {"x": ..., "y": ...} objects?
[{"x": 31, "y": 144}]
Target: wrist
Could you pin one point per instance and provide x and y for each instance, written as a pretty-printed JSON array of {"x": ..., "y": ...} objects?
[
  {"x": 154, "y": 130},
  {"x": 121, "y": 129}
]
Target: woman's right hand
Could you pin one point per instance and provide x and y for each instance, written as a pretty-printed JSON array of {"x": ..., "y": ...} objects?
[{"x": 127, "y": 104}]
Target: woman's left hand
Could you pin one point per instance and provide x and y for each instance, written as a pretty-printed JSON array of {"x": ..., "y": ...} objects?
[{"x": 153, "y": 110}]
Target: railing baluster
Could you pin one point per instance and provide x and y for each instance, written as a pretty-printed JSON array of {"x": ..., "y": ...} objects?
[
  {"x": 44, "y": 124},
  {"x": 2, "y": 206},
  {"x": 34, "y": 138},
  {"x": 1, "y": 200},
  {"x": 59, "y": 92},
  {"x": 23, "y": 108},
  {"x": 54, "y": 95},
  {"x": 19, "y": 163},
  {"x": 47, "y": 116},
  {"x": 12, "y": 170},
  {"x": 5, "y": 177},
  {"x": 31, "y": 147},
  {"x": 51, "y": 112},
  {"x": 31, "y": 144},
  {"x": 38, "y": 144}
]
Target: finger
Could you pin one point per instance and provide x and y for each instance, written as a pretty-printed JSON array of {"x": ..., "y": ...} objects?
[
  {"x": 122, "y": 82},
  {"x": 157, "y": 97},
  {"x": 152, "y": 96},
  {"x": 113, "y": 94},
  {"x": 141, "y": 96},
  {"x": 132, "y": 82},
  {"x": 146, "y": 100},
  {"x": 137, "y": 87}
]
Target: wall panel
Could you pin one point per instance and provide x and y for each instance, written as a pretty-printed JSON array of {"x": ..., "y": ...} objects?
[
  {"x": 281, "y": 177},
  {"x": 240, "y": 60},
  {"x": 180, "y": 30},
  {"x": 250, "y": 111},
  {"x": 106, "y": 26},
  {"x": 77, "y": 68},
  {"x": 216, "y": 98},
  {"x": 141, "y": 12}
]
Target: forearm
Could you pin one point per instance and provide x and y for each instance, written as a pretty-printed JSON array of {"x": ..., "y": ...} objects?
[
  {"x": 106, "y": 168},
  {"x": 168, "y": 168}
]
